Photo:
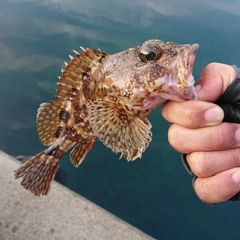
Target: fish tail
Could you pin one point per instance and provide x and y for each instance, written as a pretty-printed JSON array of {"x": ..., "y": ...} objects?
[{"x": 39, "y": 171}]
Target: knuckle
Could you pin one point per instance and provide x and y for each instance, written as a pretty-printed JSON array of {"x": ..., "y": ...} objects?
[
  {"x": 198, "y": 163},
  {"x": 236, "y": 157},
  {"x": 201, "y": 190},
  {"x": 212, "y": 189},
  {"x": 213, "y": 65},
  {"x": 222, "y": 137},
  {"x": 174, "y": 137},
  {"x": 217, "y": 139},
  {"x": 209, "y": 190}
]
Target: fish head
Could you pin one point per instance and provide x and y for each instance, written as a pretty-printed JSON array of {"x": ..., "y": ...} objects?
[{"x": 154, "y": 73}]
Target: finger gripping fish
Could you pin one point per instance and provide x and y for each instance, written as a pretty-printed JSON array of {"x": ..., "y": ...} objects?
[{"x": 108, "y": 97}]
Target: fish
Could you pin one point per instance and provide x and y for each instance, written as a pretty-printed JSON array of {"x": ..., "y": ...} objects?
[{"x": 108, "y": 97}]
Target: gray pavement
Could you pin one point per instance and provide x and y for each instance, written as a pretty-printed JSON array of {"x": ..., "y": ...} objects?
[{"x": 62, "y": 215}]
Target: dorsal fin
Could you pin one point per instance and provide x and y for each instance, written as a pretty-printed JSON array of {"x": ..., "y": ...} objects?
[
  {"x": 51, "y": 114},
  {"x": 71, "y": 80}
]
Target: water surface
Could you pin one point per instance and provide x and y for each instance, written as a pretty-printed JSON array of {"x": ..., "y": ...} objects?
[{"x": 153, "y": 193}]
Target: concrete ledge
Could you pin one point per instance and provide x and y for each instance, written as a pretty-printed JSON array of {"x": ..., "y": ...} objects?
[{"x": 61, "y": 215}]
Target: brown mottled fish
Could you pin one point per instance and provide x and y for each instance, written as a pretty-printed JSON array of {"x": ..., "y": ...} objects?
[{"x": 108, "y": 97}]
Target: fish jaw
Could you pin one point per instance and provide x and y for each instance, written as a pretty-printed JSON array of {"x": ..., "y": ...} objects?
[{"x": 180, "y": 83}]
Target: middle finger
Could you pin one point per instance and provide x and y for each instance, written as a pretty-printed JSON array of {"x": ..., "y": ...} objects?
[{"x": 216, "y": 138}]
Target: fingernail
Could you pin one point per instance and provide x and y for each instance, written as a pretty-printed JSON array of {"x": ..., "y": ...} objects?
[
  {"x": 237, "y": 135},
  {"x": 236, "y": 177},
  {"x": 214, "y": 114}
]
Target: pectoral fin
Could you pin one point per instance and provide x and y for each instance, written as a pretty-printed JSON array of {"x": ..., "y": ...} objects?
[{"x": 119, "y": 129}]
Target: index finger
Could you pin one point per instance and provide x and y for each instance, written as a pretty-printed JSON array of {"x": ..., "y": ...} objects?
[{"x": 192, "y": 114}]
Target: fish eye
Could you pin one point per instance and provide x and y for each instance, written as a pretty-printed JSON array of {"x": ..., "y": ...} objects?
[
  {"x": 150, "y": 56},
  {"x": 150, "y": 53}
]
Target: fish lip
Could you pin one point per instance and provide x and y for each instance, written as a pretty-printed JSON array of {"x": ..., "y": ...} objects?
[
  {"x": 185, "y": 68},
  {"x": 190, "y": 93},
  {"x": 183, "y": 94},
  {"x": 188, "y": 59}
]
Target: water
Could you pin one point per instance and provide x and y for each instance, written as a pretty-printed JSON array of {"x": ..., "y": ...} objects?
[{"x": 153, "y": 193}]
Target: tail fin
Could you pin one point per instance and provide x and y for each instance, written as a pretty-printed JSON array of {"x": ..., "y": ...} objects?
[{"x": 38, "y": 173}]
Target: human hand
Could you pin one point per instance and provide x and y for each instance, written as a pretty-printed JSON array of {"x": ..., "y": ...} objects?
[{"x": 212, "y": 147}]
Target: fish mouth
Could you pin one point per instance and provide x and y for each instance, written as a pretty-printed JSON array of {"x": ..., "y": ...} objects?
[
  {"x": 185, "y": 68},
  {"x": 189, "y": 58}
]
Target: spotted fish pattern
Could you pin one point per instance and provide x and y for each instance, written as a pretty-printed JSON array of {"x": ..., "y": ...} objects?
[{"x": 107, "y": 97}]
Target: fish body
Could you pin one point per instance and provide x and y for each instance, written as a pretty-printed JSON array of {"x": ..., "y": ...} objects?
[{"x": 108, "y": 97}]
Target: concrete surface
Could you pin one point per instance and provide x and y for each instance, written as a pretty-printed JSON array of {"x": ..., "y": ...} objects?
[{"x": 62, "y": 215}]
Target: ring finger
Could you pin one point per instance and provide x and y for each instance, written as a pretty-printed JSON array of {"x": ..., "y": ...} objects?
[{"x": 206, "y": 164}]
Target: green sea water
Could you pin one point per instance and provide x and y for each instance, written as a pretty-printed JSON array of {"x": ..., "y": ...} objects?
[{"x": 153, "y": 193}]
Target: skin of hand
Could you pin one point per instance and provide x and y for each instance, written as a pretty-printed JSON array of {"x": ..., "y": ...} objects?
[{"x": 212, "y": 146}]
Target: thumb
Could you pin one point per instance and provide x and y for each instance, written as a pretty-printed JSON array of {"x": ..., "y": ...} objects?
[{"x": 214, "y": 80}]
